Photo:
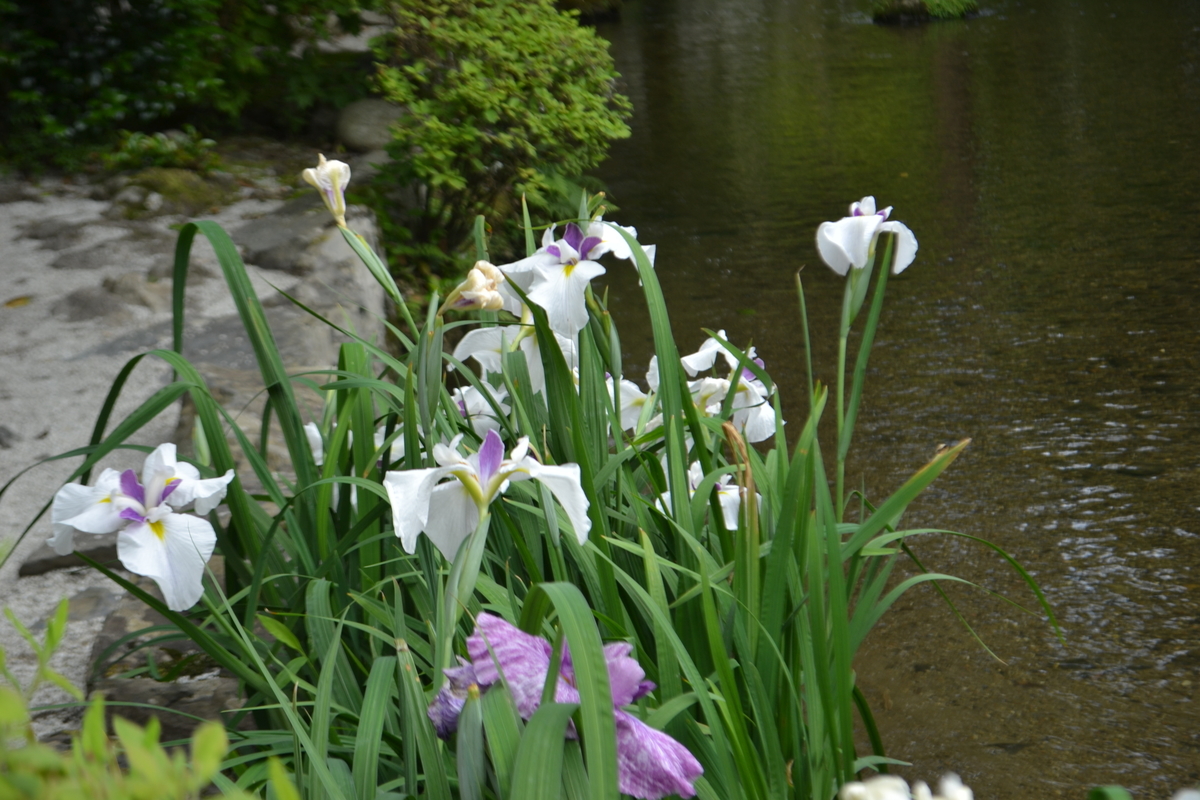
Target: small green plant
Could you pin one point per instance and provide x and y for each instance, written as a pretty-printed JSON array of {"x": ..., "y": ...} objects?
[
  {"x": 181, "y": 149},
  {"x": 498, "y": 95},
  {"x": 134, "y": 766}
]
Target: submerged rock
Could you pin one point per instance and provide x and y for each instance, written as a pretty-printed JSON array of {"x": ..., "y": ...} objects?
[{"x": 910, "y": 11}]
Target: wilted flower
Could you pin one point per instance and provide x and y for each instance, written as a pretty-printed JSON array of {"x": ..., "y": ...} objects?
[
  {"x": 650, "y": 764},
  {"x": 482, "y": 289},
  {"x": 448, "y": 512},
  {"x": 330, "y": 179},
  {"x": 154, "y": 541},
  {"x": 850, "y": 242}
]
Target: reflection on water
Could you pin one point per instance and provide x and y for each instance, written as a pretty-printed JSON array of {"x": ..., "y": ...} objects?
[{"x": 1046, "y": 156}]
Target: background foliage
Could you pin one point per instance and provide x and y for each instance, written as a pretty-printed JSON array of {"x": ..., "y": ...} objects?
[{"x": 74, "y": 72}]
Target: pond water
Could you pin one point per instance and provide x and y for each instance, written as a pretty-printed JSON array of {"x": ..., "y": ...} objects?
[{"x": 1047, "y": 156}]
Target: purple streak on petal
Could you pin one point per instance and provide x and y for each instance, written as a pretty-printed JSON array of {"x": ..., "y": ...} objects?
[
  {"x": 650, "y": 764},
  {"x": 490, "y": 455},
  {"x": 171, "y": 486},
  {"x": 444, "y": 710},
  {"x": 553, "y": 250},
  {"x": 462, "y": 676},
  {"x": 131, "y": 515},
  {"x": 748, "y": 374},
  {"x": 856, "y": 212},
  {"x": 587, "y": 245},
  {"x": 462, "y": 405},
  {"x": 574, "y": 236},
  {"x": 524, "y": 659},
  {"x": 131, "y": 488}
]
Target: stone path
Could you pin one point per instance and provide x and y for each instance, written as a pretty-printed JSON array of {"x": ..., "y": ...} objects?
[{"x": 83, "y": 288}]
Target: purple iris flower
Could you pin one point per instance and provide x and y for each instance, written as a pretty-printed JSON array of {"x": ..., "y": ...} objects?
[{"x": 650, "y": 764}]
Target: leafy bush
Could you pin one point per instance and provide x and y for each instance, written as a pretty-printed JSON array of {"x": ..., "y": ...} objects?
[
  {"x": 73, "y": 72},
  {"x": 499, "y": 94}
]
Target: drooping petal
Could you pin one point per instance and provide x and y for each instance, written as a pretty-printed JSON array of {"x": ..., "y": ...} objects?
[
  {"x": 88, "y": 509},
  {"x": 453, "y": 515},
  {"x": 172, "y": 551},
  {"x": 524, "y": 659},
  {"x": 559, "y": 289},
  {"x": 847, "y": 242},
  {"x": 650, "y": 764},
  {"x": 906, "y": 245},
  {"x": 485, "y": 346},
  {"x": 206, "y": 493},
  {"x": 409, "y": 492},
  {"x": 564, "y": 483}
]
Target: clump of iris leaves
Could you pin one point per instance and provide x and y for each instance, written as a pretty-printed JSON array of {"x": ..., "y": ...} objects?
[{"x": 339, "y": 637}]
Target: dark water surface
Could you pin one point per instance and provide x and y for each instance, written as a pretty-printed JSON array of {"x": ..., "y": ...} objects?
[{"x": 1046, "y": 156}]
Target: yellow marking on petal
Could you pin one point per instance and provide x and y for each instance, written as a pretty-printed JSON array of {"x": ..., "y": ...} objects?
[
  {"x": 159, "y": 529},
  {"x": 106, "y": 500},
  {"x": 569, "y": 268}
]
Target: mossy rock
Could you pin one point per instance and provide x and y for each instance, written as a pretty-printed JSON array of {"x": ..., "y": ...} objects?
[
  {"x": 182, "y": 191},
  {"x": 910, "y": 11}
]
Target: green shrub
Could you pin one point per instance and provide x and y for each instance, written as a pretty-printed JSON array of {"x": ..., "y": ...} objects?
[{"x": 499, "y": 94}]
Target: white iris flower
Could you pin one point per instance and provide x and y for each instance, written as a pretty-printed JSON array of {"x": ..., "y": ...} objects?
[
  {"x": 154, "y": 540},
  {"x": 447, "y": 512},
  {"x": 850, "y": 242}
]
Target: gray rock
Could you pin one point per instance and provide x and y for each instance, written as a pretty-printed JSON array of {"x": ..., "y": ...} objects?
[
  {"x": 54, "y": 233},
  {"x": 92, "y": 602},
  {"x": 132, "y": 287},
  {"x": 92, "y": 302},
  {"x": 365, "y": 125},
  {"x": 367, "y": 166},
  {"x": 8, "y": 437},
  {"x": 302, "y": 239},
  {"x": 100, "y": 547},
  {"x": 196, "y": 687}
]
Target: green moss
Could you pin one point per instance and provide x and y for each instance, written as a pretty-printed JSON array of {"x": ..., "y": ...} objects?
[
  {"x": 183, "y": 191},
  {"x": 903, "y": 11}
]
